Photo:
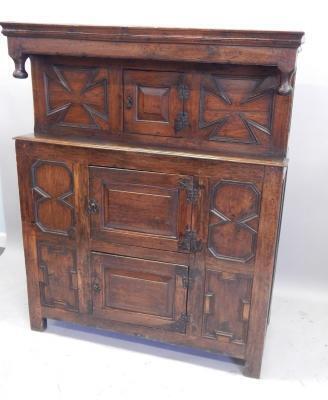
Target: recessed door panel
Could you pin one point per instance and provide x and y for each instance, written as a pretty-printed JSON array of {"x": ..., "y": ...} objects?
[
  {"x": 141, "y": 292},
  {"x": 152, "y": 104},
  {"x": 140, "y": 208}
]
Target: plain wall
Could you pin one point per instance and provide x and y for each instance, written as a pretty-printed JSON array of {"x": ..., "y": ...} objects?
[
  {"x": 2, "y": 220},
  {"x": 302, "y": 262},
  {"x": 2, "y": 216}
]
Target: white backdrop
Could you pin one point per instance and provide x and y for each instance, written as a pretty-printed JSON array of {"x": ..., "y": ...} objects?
[
  {"x": 302, "y": 264},
  {"x": 302, "y": 259}
]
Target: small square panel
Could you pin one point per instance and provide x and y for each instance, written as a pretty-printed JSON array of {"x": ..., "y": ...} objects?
[{"x": 153, "y": 104}]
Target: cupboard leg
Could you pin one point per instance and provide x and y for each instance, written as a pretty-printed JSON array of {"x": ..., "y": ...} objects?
[
  {"x": 252, "y": 368},
  {"x": 38, "y": 324}
]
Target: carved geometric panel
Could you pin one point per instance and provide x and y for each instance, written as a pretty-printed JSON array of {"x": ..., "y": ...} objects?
[
  {"x": 226, "y": 306},
  {"x": 58, "y": 276},
  {"x": 234, "y": 215},
  {"x": 236, "y": 109},
  {"x": 77, "y": 97},
  {"x": 52, "y": 185},
  {"x": 153, "y": 104}
]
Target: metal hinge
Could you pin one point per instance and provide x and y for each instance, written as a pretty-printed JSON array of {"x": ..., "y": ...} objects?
[
  {"x": 189, "y": 242},
  {"x": 191, "y": 188},
  {"x": 180, "y": 324},
  {"x": 182, "y": 121},
  {"x": 183, "y": 91}
]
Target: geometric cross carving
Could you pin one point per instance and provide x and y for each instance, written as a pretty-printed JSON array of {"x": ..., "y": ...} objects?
[
  {"x": 52, "y": 185},
  {"x": 77, "y": 97},
  {"x": 237, "y": 110},
  {"x": 234, "y": 215}
]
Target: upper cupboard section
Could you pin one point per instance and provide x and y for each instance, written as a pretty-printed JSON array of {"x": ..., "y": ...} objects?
[{"x": 213, "y": 108}]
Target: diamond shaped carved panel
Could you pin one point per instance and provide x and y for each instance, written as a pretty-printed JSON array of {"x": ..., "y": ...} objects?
[
  {"x": 77, "y": 97},
  {"x": 237, "y": 109}
]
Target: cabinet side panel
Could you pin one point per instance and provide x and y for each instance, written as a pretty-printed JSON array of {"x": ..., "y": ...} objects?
[
  {"x": 264, "y": 264},
  {"x": 29, "y": 239}
]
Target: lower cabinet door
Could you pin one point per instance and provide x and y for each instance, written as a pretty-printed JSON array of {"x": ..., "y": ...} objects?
[{"x": 140, "y": 292}]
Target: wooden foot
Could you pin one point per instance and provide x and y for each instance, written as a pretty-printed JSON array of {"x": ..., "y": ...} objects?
[
  {"x": 252, "y": 368},
  {"x": 38, "y": 324}
]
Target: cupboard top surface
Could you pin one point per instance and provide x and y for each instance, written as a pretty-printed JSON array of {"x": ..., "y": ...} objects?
[
  {"x": 101, "y": 145},
  {"x": 156, "y": 35}
]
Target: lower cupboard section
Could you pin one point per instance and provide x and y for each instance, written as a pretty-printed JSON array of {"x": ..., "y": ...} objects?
[{"x": 147, "y": 298}]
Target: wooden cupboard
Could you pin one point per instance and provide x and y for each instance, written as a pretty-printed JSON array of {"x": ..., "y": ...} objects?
[{"x": 152, "y": 188}]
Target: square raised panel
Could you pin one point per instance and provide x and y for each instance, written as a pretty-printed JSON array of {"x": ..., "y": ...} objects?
[{"x": 151, "y": 102}]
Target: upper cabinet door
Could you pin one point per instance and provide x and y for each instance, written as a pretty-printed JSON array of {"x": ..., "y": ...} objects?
[
  {"x": 152, "y": 103},
  {"x": 140, "y": 208}
]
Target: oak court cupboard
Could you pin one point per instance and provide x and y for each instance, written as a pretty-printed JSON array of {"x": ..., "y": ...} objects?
[{"x": 152, "y": 188}]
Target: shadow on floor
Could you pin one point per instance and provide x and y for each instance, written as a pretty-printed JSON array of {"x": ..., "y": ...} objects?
[{"x": 153, "y": 347}]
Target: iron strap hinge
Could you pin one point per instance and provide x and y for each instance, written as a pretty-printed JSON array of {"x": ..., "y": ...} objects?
[
  {"x": 181, "y": 121},
  {"x": 183, "y": 91},
  {"x": 180, "y": 324},
  {"x": 191, "y": 188},
  {"x": 189, "y": 280},
  {"x": 190, "y": 242}
]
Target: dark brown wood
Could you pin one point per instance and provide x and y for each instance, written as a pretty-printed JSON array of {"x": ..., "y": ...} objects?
[
  {"x": 264, "y": 265},
  {"x": 226, "y": 110},
  {"x": 151, "y": 192},
  {"x": 140, "y": 292},
  {"x": 122, "y": 196}
]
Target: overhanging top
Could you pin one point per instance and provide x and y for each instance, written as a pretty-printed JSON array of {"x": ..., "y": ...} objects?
[
  {"x": 241, "y": 47},
  {"x": 155, "y": 35}
]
